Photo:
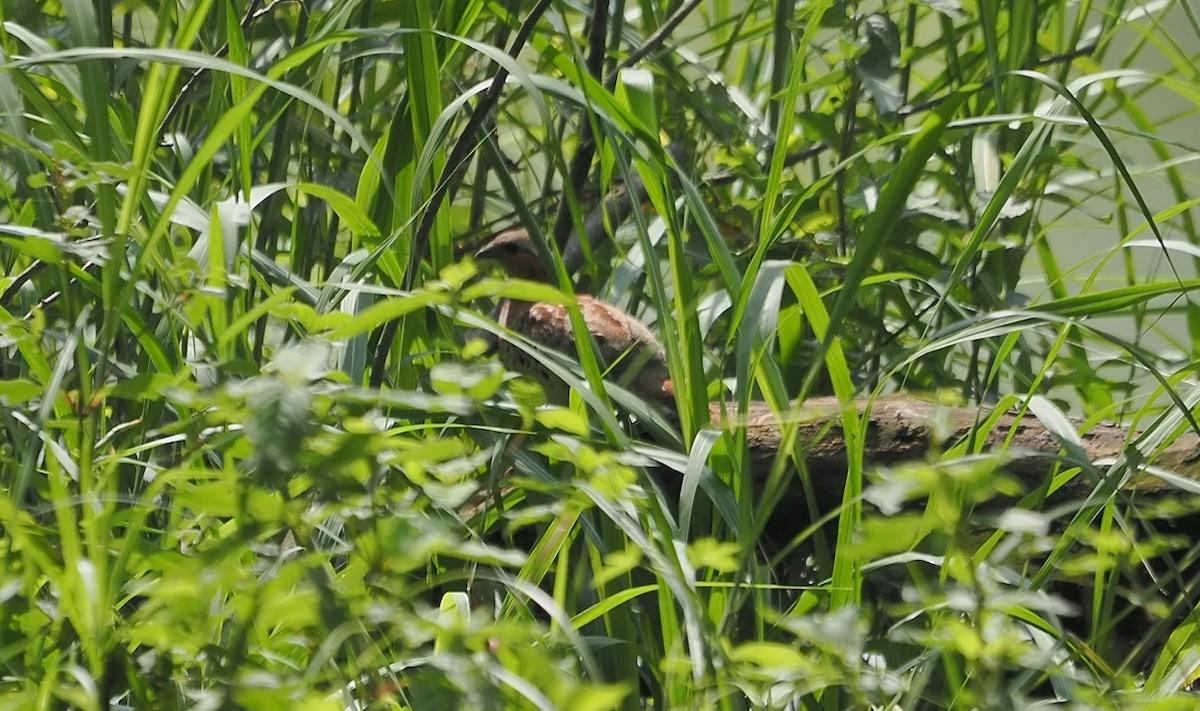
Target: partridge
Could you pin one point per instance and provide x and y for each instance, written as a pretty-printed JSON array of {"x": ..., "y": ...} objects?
[{"x": 636, "y": 356}]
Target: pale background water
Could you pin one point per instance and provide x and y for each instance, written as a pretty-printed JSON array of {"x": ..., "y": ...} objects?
[{"x": 1081, "y": 235}]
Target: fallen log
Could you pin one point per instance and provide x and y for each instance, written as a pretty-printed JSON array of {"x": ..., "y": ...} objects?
[{"x": 905, "y": 429}]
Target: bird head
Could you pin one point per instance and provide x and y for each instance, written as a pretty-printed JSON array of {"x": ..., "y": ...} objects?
[{"x": 513, "y": 251}]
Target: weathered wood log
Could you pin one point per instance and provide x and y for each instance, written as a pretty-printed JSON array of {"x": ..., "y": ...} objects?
[{"x": 904, "y": 429}]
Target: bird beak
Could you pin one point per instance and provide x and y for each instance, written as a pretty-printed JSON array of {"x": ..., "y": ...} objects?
[{"x": 486, "y": 251}]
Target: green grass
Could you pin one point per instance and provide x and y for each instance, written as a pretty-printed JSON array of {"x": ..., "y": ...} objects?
[{"x": 251, "y": 459}]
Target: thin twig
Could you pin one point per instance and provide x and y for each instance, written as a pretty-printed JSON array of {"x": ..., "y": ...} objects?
[
  {"x": 459, "y": 156},
  {"x": 465, "y": 146},
  {"x": 581, "y": 162},
  {"x": 20, "y": 280},
  {"x": 660, "y": 35},
  {"x": 252, "y": 14}
]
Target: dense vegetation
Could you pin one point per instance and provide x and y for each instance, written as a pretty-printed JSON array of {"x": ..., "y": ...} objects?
[{"x": 251, "y": 456}]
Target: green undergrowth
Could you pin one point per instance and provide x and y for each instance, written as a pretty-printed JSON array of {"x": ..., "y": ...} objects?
[{"x": 255, "y": 452}]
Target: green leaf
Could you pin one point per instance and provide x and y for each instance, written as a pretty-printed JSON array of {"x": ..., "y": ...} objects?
[{"x": 15, "y": 392}]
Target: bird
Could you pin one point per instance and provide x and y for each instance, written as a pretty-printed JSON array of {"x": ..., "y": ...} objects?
[{"x": 623, "y": 342}]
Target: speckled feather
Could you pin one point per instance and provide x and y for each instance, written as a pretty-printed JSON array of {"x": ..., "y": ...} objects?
[{"x": 622, "y": 341}]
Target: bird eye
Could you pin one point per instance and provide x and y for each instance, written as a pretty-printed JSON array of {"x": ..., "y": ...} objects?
[{"x": 510, "y": 248}]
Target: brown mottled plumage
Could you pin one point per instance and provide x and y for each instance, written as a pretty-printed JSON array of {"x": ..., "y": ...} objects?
[{"x": 622, "y": 340}]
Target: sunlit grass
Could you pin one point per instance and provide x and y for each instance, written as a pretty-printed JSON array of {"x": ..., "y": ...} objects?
[{"x": 252, "y": 459}]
